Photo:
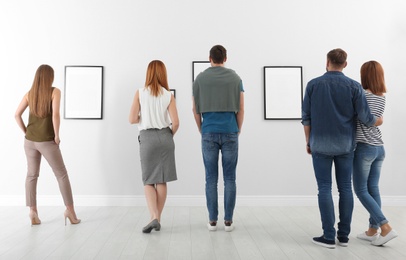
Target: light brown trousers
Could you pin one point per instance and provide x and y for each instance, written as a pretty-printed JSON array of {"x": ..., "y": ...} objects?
[{"x": 51, "y": 152}]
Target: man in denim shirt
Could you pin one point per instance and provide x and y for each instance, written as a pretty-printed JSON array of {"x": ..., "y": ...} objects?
[{"x": 331, "y": 105}]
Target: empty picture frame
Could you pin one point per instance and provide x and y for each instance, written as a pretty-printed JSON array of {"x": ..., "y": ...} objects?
[
  {"x": 199, "y": 66},
  {"x": 283, "y": 92},
  {"x": 83, "y": 92}
]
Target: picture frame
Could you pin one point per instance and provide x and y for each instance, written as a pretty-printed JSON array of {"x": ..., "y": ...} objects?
[
  {"x": 83, "y": 92},
  {"x": 173, "y": 91},
  {"x": 199, "y": 66},
  {"x": 283, "y": 92}
]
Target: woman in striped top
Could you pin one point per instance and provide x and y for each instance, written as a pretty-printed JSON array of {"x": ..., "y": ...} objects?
[{"x": 369, "y": 156}]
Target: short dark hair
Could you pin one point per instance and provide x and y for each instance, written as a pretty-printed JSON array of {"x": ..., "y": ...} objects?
[
  {"x": 218, "y": 54},
  {"x": 337, "y": 57}
]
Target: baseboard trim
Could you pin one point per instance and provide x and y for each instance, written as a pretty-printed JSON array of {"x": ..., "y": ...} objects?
[{"x": 188, "y": 201}]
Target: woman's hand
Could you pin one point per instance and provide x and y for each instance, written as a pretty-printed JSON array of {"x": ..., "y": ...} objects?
[{"x": 57, "y": 140}]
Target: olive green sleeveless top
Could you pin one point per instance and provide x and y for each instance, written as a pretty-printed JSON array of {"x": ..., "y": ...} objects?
[{"x": 40, "y": 129}]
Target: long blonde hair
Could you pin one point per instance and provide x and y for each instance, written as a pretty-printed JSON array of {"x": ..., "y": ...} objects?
[
  {"x": 40, "y": 94},
  {"x": 156, "y": 77}
]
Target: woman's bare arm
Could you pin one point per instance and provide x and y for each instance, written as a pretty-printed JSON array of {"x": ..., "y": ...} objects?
[
  {"x": 56, "y": 116},
  {"x": 19, "y": 112},
  {"x": 173, "y": 114},
  {"x": 134, "y": 117}
]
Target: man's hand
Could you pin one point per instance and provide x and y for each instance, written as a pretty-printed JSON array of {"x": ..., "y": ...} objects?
[{"x": 308, "y": 149}]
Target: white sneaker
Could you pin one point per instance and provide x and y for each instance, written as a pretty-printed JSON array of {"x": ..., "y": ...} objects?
[
  {"x": 364, "y": 236},
  {"x": 384, "y": 239},
  {"x": 228, "y": 227},
  {"x": 212, "y": 226}
]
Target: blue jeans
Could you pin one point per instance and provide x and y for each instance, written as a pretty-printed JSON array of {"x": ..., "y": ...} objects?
[
  {"x": 322, "y": 165},
  {"x": 211, "y": 145},
  {"x": 368, "y": 161}
]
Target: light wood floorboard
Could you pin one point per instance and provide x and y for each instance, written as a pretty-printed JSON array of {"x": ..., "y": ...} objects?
[{"x": 115, "y": 233}]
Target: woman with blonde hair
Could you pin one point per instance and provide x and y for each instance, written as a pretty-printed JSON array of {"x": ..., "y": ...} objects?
[
  {"x": 369, "y": 156},
  {"x": 42, "y": 139},
  {"x": 154, "y": 110}
]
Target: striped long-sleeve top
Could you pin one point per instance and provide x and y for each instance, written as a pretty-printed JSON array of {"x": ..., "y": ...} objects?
[{"x": 371, "y": 135}]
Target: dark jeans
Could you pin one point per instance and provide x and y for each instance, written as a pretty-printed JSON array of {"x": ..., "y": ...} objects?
[{"x": 322, "y": 165}]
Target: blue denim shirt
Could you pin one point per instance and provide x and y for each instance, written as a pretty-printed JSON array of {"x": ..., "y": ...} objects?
[{"x": 331, "y": 105}]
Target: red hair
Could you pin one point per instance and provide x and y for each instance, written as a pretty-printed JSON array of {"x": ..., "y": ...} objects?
[{"x": 156, "y": 77}]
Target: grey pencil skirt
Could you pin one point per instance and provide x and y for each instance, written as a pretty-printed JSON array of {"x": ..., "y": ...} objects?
[{"x": 157, "y": 153}]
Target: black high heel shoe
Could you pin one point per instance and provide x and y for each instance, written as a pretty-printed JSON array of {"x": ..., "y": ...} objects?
[{"x": 154, "y": 224}]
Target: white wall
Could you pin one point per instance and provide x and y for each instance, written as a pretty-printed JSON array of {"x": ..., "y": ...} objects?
[{"x": 124, "y": 36}]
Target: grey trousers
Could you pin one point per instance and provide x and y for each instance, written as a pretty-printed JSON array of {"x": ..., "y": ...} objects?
[{"x": 51, "y": 152}]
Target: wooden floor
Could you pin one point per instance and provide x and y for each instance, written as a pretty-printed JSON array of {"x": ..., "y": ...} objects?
[{"x": 115, "y": 233}]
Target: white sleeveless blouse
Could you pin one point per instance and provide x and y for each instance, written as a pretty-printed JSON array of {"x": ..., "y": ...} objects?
[{"x": 154, "y": 110}]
